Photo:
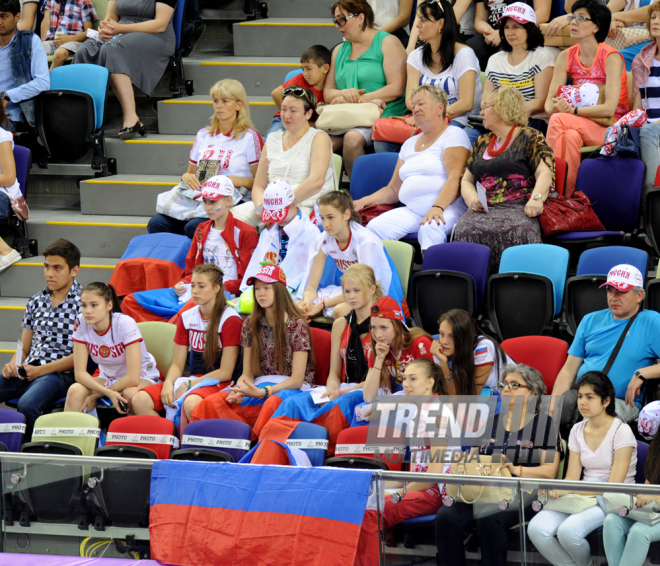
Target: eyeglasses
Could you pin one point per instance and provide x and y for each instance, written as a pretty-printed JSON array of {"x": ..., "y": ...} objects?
[
  {"x": 513, "y": 385},
  {"x": 341, "y": 20},
  {"x": 297, "y": 91},
  {"x": 580, "y": 19},
  {"x": 484, "y": 106}
]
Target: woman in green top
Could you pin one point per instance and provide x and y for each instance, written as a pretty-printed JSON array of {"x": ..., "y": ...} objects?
[{"x": 369, "y": 66}]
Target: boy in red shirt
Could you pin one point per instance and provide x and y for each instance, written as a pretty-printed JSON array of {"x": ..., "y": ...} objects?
[{"x": 315, "y": 64}]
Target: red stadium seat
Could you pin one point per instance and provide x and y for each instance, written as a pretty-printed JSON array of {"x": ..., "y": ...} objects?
[
  {"x": 561, "y": 172},
  {"x": 321, "y": 345},
  {"x": 146, "y": 432},
  {"x": 544, "y": 353},
  {"x": 352, "y": 451}
]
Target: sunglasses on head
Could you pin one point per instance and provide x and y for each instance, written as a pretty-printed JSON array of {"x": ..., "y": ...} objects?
[
  {"x": 430, "y": 3},
  {"x": 296, "y": 91}
]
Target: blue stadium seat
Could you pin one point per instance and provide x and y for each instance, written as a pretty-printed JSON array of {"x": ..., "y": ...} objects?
[
  {"x": 311, "y": 439},
  {"x": 23, "y": 160},
  {"x": 582, "y": 291},
  {"x": 292, "y": 74},
  {"x": 178, "y": 80},
  {"x": 372, "y": 172},
  {"x": 12, "y": 429},
  {"x": 528, "y": 291}
]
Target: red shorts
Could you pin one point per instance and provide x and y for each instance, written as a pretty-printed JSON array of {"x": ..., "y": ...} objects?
[{"x": 154, "y": 392}]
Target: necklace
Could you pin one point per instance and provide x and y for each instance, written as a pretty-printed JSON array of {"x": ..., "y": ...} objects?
[
  {"x": 434, "y": 139},
  {"x": 491, "y": 146}
]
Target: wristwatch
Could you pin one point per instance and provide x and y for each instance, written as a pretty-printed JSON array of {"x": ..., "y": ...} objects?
[
  {"x": 5, "y": 96},
  {"x": 536, "y": 196},
  {"x": 639, "y": 376}
]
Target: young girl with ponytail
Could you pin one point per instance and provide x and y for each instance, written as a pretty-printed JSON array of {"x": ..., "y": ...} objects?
[{"x": 114, "y": 342}]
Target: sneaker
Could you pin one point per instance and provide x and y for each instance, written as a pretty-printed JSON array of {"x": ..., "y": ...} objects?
[
  {"x": 191, "y": 38},
  {"x": 9, "y": 259}
]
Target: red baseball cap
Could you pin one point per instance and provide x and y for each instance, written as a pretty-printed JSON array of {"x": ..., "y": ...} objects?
[
  {"x": 387, "y": 307},
  {"x": 268, "y": 273}
]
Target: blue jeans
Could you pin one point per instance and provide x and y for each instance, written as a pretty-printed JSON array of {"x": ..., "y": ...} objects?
[
  {"x": 275, "y": 126},
  {"x": 162, "y": 223},
  {"x": 649, "y": 146},
  {"x": 5, "y": 205},
  {"x": 626, "y": 541},
  {"x": 37, "y": 395}
]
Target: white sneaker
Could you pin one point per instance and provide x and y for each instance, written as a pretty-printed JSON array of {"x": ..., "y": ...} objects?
[{"x": 9, "y": 259}]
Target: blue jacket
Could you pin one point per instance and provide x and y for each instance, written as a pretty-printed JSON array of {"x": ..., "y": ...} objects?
[{"x": 21, "y": 64}]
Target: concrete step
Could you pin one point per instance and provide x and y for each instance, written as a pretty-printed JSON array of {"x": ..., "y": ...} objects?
[
  {"x": 301, "y": 8},
  {"x": 284, "y": 37},
  {"x": 25, "y": 278},
  {"x": 154, "y": 155},
  {"x": 187, "y": 115},
  {"x": 109, "y": 195},
  {"x": 7, "y": 350},
  {"x": 11, "y": 313},
  {"x": 95, "y": 236},
  {"x": 259, "y": 75}
]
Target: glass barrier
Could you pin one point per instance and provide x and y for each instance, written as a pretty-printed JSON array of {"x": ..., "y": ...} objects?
[
  {"x": 498, "y": 521},
  {"x": 62, "y": 504}
]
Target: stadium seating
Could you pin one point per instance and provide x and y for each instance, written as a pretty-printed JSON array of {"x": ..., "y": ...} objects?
[
  {"x": 544, "y": 353},
  {"x": 561, "y": 172},
  {"x": 321, "y": 345},
  {"x": 312, "y": 439},
  {"x": 652, "y": 299},
  {"x": 352, "y": 445},
  {"x": 403, "y": 255},
  {"x": 652, "y": 217},
  {"x": 178, "y": 80},
  {"x": 19, "y": 228},
  {"x": 528, "y": 291},
  {"x": 582, "y": 291},
  {"x": 12, "y": 429},
  {"x": 372, "y": 172},
  {"x": 159, "y": 341},
  {"x": 214, "y": 439}
]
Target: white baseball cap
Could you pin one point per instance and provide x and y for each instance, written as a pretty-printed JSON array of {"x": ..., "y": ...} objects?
[
  {"x": 624, "y": 277},
  {"x": 216, "y": 188},
  {"x": 278, "y": 197},
  {"x": 519, "y": 11},
  {"x": 579, "y": 96},
  {"x": 649, "y": 419}
]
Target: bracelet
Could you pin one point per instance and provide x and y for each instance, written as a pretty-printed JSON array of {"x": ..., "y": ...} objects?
[
  {"x": 449, "y": 377},
  {"x": 268, "y": 391},
  {"x": 436, "y": 206},
  {"x": 520, "y": 472},
  {"x": 378, "y": 369},
  {"x": 189, "y": 384},
  {"x": 323, "y": 303},
  {"x": 575, "y": 110}
]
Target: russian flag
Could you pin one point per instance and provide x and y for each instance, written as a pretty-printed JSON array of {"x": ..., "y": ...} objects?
[
  {"x": 210, "y": 513},
  {"x": 481, "y": 350}
]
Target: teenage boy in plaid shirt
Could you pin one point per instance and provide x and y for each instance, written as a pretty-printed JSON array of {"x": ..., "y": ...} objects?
[
  {"x": 74, "y": 18},
  {"x": 47, "y": 369}
]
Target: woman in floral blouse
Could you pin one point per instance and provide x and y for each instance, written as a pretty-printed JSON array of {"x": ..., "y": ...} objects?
[{"x": 515, "y": 166}]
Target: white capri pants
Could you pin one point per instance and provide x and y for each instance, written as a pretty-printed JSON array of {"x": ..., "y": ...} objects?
[{"x": 398, "y": 223}]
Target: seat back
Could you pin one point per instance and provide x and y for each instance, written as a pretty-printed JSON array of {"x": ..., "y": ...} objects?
[
  {"x": 77, "y": 429},
  {"x": 614, "y": 186},
  {"x": 652, "y": 298},
  {"x": 539, "y": 259},
  {"x": 599, "y": 261},
  {"x": 464, "y": 257},
  {"x": 224, "y": 435},
  {"x": 91, "y": 79},
  {"x": 144, "y": 431},
  {"x": 584, "y": 296},
  {"x": 321, "y": 346},
  {"x": 312, "y": 439},
  {"x": 159, "y": 341},
  {"x": 177, "y": 21},
  {"x": 292, "y": 74},
  {"x": 561, "y": 172},
  {"x": 372, "y": 172},
  {"x": 652, "y": 216},
  {"x": 23, "y": 160},
  {"x": 402, "y": 255},
  {"x": 352, "y": 443},
  {"x": 101, "y": 7},
  {"x": 337, "y": 164},
  {"x": 642, "y": 451},
  {"x": 544, "y": 353},
  {"x": 12, "y": 429}
]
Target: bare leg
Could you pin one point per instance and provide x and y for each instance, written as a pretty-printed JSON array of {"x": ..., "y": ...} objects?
[
  {"x": 75, "y": 398},
  {"x": 123, "y": 89},
  {"x": 4, "y": 248},
  {"x": 143, "y": 404},
  {"x": 189, "y": 404},
  {"x": 130, "y": 392},
  {"x": 59, "y": 57},
  {"x": 354, "y": 147}
]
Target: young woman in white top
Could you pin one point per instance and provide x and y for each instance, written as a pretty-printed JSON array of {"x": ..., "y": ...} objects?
[
  {"x": 392, "y": 16},
  {"x": 426, "y": 178},
  {"x": 464, "y": 11},
  {"x": 229, "y": 146},
  {"x": 523, "y": 63},
  {"x": 300, "y": 154},
  {"x": 10, "y": 192},
  {"x": 114, "y": 342},
  {"x": 604, "y": 449}
]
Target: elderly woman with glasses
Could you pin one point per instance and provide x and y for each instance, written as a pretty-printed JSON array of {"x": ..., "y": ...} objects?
[
  {"x": 526, "y": 459},
  {"x": 593, "y": 61},
  {"x": 369, "y": 66},
  {"x": 426, "y": 178},
  {"x": 299, "y": 154},
  {"x": 511, "y": 170}
]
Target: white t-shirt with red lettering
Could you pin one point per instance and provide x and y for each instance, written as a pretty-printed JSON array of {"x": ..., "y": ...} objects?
[
  {"x": 191, "y": 332},
  {"x": 108, "y": 350},
  {"x": 225, "y": 156}
]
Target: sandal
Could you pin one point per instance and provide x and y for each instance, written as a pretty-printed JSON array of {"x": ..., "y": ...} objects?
[{"x": 127, "y": 133}]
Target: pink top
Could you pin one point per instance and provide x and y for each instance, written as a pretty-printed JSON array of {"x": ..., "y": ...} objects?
[{"x": 597, "y": 465}]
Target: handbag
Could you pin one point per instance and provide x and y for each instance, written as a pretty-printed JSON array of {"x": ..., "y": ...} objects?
[
  {"x": 179, "y": 203},
  {"x": 574, "y": 214},
  {"x": 368, "y": 213},
  {"x": 624, "y": 505},
  {"x": 483, "y": 466},
  {"x": 340, "y": 117},
  {"x": 571, "y": 503},
  {"x": 627, "y": 143},
  {"x": 392, "y": 130},
  {"x": 629, "y": 36}
]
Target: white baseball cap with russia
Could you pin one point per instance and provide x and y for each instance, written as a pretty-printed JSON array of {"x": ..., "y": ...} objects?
[
  {"x": 624, "y": 277},
  {"x": 216, "y": 187},
  {"x": 519, "y": 11},
  {"x": 278, "y": 197}
]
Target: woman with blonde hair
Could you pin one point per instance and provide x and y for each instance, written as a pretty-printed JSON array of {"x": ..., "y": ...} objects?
[
  {"x": 516, "y": 168},
  {"x": 228, "y": 146}
]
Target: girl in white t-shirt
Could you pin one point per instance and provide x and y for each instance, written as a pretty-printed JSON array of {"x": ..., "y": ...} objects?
[
  {"x": 10, "y": 192},
  {"x": 114, "y": 342},
  {"x": 347, "y": 242},
  {"x": 602, "y": 449}
]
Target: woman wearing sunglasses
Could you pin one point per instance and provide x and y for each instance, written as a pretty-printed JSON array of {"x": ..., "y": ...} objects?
[
  {"x": 591, "y": 60},
  {"x": 299, "y": 154},
  {"x": 523, "y": 459},
  {"x": 369, "y": 66}
]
